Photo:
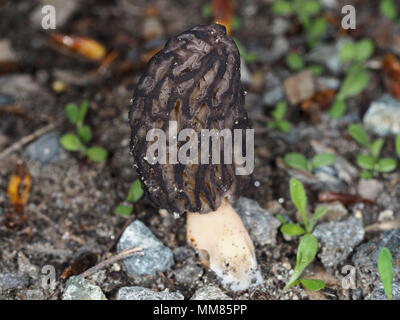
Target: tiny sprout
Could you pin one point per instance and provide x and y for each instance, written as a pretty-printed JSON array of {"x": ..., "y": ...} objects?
[
  {"x": 388, "y": 9},
  {"x": 294, "y": 61},
  {"x": 298, "y": 161},
  {"x": 299, "y": 199},
  {"x": 72, "y": 142},
  {"x": 370, "y": 162},
  {"x": 397, "y": 145},
  {"x": 385, "y": 267},
  {"x": 277, "y": 118},
  {"x": 135, "y": 193}
]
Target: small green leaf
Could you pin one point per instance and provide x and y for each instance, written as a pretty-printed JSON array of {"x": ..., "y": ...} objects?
[
  {"x": 296, "y": 161},
  {"x": 323, "y": 159},
  {"x": 123, "y": 210},
  {"x": 279, "y": 111},
  {"x": 135, "y": 192},
  {"x": 284, "y": 126},
  {"x": 358, "y": 134},
  {"x": 316, "y": 69},
  {"x": 397, "y": 145},
  {"x": 72, "y": 112},
  {"x": 206, "y": 10},
  {"x": 376, "y": 147},
  {"x": 385, "y": 267},
  {"x": 388, "y": 9},
  {"x": 83, "y": 111},
  {"x": 366, "y": 161},
  {"x": 71, "y": 142},
  {"x": 97, "y": 154},
  {"x": 292, "y": 229},
  {"x": 299, "y": 198},
  {"x": 282, "y": 7},
  {"x": 310, "y": 7},
  {"x": 306, "y": 252},
  {"x": 347, "y": 51},
  {"x": 338, "y": 109},
  {"x": 386, "y": 165},
  {"x": 294, "y": 61},
  {"x": 319, "y": 213},
  {"x": 364, "y": 49},
  {"x": 312, "y": 284},
  {"x": 316, "y": 31},
  {"x": 355, "y": 82},
  {"x": 85, "y": 133},
  {"x": 365, "y": 174}
]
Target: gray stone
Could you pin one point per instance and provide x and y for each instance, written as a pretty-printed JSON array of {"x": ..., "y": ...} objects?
[
  {"x": 369, "y": 188},
  {"x": 46, "y": 149},
  {"x": 273, "y": 96},
  {"x": 327, "y": 55},
  {"x": 383, "y": 116},
  {"x": 155, "y": 256},
  {"x": 379, "y": 292},
  {"x": 78, "y": 288},
  {"x": 10, "y": 280},
  {"x": 7, "y": 53},
  {"x": 299, "y": 87},
  {"x": 188, "y": 274},
  {"x": 140, "y": 293},
  {"x": 210, "y": 292},
  {"x": 338, "y": 239},
  {"x": 260, "y": 224},
  {"x": 183, "y": 253}
]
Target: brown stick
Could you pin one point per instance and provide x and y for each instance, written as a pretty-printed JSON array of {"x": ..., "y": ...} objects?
[
  {"x": 25, "y": 140},
  {"x": 122, "y": 255}
]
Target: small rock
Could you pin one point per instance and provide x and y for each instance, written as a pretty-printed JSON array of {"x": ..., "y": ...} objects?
[
  {"x": 336, "y": 211},
  {"x": 7, "y": 53},
  {"x": 152, "y": 28},
  {"x": 210, "y": 292},
  {"x": 327, "y": 55},
  {"x": 140, "y": 293},
  {"x": 299, "y": 87},
  {"x": 273, "y": 96},
  {"x": 156, "y": 256},
  {"x": 26, "y": 267},
  {"x": 183, "y": 253},
  {"x": 261, "y": 225},
  {"x": 383, "y": 116},
  {"x": 34, "y": 294},
  {"x": 279, "y": 26},
  {"x": 324, "y": 83},
  {"x": 369, "y": 188},
  {"x": 46, "y": 149},
  {"x": 379, "y": 292},
  {"x": 188, "y": 274},
  {"x": 280, "y": 47},
  {"x": 386, "y": 215},
  {"x": 78, "y": 288},
  {"x": 10, "y": 280},
  {"x": 338, "y": 239}
]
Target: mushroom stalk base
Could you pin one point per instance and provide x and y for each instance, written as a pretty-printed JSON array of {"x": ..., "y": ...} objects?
[{"x": 222, "y": 235}]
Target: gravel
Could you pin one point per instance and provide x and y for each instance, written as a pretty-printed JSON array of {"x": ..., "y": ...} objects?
[
  {"x": 156, "y": 256},
  {"x": 10, "y": 280},
  {"x": 260, "y": 224},
  {"x": 140, "y": 293},
  {"x": 78, "y": 288},
  {"x": 338, "y": 239},
  {"x": 210, "y": 292}
]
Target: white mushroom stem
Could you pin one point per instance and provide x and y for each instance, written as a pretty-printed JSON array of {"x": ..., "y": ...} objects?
[{"x": 223, "y": 236}]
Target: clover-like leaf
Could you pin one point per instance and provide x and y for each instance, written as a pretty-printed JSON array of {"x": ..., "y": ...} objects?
[
  {"x": 97, "y": 154},
  {"x": 123, "y": 210},
  {"x": 292, "y": 229},
  {"x": 359, "y": 134},
  {"x": 72, "y": 112},
  {"x": 71, "y": 142},
  {"x": 323, "y": 159},
  {"x": 312, "y": 284},
  {"x": 135, "y": 192},
  {"x": 296, "y": 161},
  {"x": 386, "y": 165},
  {"x": 366, "y": 161}
]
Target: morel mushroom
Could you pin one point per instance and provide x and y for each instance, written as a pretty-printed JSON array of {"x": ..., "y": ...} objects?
[{"x": 192, "y": 89}]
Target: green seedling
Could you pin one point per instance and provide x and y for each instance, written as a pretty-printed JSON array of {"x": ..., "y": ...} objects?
[
  {"x": 249, "y": 57},
  {"x": 277, "y": 118},
  {"x": 299, "y": 199},
  {"x": 371, "y": 162},
  {"x": 308, "y": 245},
  {"x": 76, "y": 142},
  {"x": 298, "y": 161},
  {"x": 307, "y": 12},
  {"x": 135, "y": 193},
  {"x": 357, "y": 77},
  {"x": 397, "y": 145},
  {"x": 296, "y": 63},
  {"x": 388, "y": 9},
  {"x": 306, "y": 252},
  {"x": 385, "y": 268}
]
